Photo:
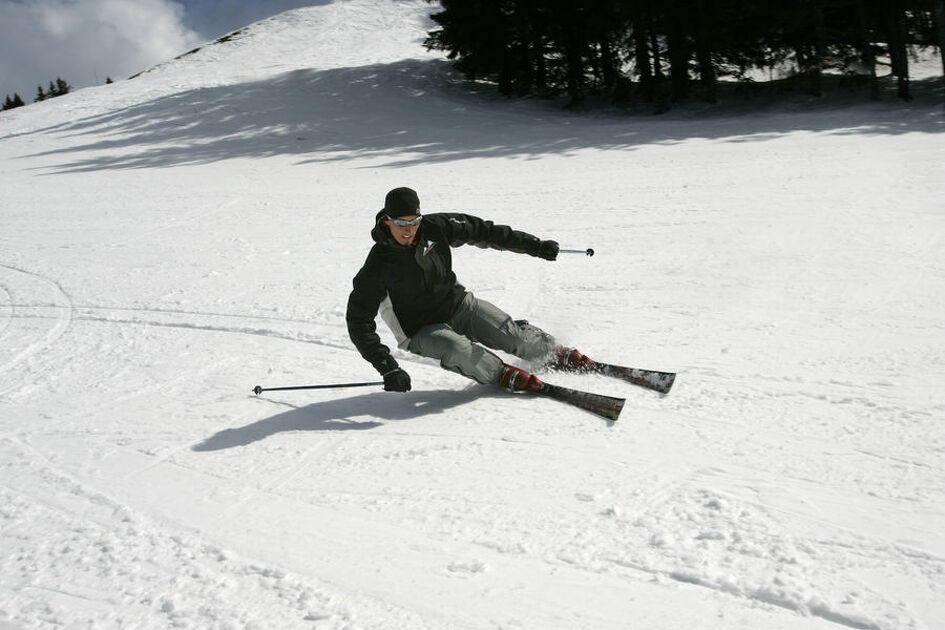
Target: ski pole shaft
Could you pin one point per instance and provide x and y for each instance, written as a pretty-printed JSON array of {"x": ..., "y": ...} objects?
[
  {"x": 258, "y": 390},
  {"x": 587, "y": 252}
]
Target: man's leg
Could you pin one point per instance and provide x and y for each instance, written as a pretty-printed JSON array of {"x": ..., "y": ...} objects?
[
  {"x": 490, "y": 325},
  {"x": 456, "y": 353}
]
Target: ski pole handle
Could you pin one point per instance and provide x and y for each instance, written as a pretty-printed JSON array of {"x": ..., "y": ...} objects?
[
  {"x": 258, "y": 390},
  {"x": 587, "y": 252}
]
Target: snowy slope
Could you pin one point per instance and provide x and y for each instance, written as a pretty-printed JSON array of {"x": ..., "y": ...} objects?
[{"x": 170, "y": 241}]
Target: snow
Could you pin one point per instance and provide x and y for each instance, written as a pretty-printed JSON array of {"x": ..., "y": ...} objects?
[{"x": 170, "y": 241}]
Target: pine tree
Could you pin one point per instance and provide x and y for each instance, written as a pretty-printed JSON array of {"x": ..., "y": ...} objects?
[
  {"x": 586, "y": 46},
  {"x": 62, "y": 87},
  {"x": 40, "y": 95},
  {"x": 12, "y": 103},
  {"x": 939, "y": 11}
]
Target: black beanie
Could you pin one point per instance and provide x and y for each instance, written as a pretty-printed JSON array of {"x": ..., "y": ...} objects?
[{"x": 401, "y": 202}]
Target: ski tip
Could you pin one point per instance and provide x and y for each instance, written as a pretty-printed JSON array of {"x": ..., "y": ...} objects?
[
  {"x": 669, "y": 383},
  {"x": 618, "y": 408},
  {"x": 610, "y": 411}
]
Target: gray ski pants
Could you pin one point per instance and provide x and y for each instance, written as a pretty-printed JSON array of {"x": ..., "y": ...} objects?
[{"x": 457, "y": 343}]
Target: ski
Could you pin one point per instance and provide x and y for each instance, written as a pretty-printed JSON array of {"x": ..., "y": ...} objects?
[
  {"x": 604, "y": 406},
  {"x": 572, "y": 361},
  {"x": 661, "y": 382}
]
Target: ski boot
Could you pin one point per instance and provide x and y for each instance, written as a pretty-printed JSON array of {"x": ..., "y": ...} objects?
[
  {"x": 570, "y": 360},
  {"x": 518, "y": 380}
]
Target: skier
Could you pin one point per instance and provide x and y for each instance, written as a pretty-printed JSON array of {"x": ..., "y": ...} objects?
[{"x": 408, "y": 277}]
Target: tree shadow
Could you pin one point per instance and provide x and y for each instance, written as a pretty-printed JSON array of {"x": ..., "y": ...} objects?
[
  {"x": 408, "y": 112},
  {"x": 344, "y": 415}
]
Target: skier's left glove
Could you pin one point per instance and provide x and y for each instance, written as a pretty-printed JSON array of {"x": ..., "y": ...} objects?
[{"x": 548, "y": 250}]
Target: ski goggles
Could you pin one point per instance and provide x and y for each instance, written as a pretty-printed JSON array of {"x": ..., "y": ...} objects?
[{"x": 405, "y": 222}]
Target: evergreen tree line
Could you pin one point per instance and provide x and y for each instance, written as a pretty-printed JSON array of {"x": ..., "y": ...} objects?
[
  {"x": 670, "y": 50},
  {"x": 55, "y": 88},
  {"x": 10, "y": 103}
]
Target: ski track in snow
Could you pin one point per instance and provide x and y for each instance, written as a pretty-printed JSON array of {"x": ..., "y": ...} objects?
[
  {"x": 23, "y": 343},
  {"x": 110, "y": 564},
  {"x": 200, "y": 235}
]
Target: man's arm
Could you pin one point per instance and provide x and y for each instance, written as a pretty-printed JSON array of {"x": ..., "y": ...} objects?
[
  {"x": 363, "y": 303},
  {"x": 465, "y": 229}
]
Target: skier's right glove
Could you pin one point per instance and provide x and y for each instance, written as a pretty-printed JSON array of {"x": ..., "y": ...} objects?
[{"x": 397, "y": 381}]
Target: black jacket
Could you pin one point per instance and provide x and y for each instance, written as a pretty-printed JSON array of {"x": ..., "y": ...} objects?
[{"x": 419, "y": 278}]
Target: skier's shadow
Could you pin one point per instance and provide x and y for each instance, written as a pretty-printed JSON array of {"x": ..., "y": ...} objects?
[{"x": 357, "y": 413}]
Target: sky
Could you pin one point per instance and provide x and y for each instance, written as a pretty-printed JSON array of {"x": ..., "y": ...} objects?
[{"x": 87, "y": 41}]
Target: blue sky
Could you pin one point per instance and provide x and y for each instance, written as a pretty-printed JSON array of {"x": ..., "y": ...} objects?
[
  {"x": 214, "y": 18},
  {"x": 86, "y": 41}
]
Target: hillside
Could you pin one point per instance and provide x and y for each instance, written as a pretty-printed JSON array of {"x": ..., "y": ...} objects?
[{"x": 172, "y": 240}]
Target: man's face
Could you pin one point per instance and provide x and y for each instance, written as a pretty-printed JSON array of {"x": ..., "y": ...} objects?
[{"x": 403, "y": 234}]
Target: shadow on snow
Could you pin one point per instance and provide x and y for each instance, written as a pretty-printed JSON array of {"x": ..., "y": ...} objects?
[
  {"x": 412, "y": 112},
  {"x": 343, "y": 415}
]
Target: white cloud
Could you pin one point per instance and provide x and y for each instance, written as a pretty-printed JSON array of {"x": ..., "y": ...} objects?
[{"x": 85, "y": 41}]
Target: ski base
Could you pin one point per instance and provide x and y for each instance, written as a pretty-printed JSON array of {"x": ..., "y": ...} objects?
[
  {"x": 660, "y": 382},
  {"x": 604, "y": 406}
]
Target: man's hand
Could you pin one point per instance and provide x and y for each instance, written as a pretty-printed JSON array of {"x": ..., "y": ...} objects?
[
  {"x": 397, "y": 381},
  {"x": 548, "y": 250}
]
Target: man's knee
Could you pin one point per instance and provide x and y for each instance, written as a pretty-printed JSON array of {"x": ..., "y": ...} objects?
[{"x": 532, "y": 342}]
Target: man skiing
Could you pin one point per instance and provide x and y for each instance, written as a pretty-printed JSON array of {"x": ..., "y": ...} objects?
[{"x": 408, "y": 277}]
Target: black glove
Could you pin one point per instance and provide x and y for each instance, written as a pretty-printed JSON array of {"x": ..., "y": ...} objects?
[
  {"x": 397, "y": 381},
  {"x": 548, "y": 250}
]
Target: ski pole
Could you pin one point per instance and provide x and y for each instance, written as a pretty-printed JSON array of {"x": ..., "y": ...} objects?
[
  {"x": 588, "y": 251},
  {"x": 258, "y": 390}
]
